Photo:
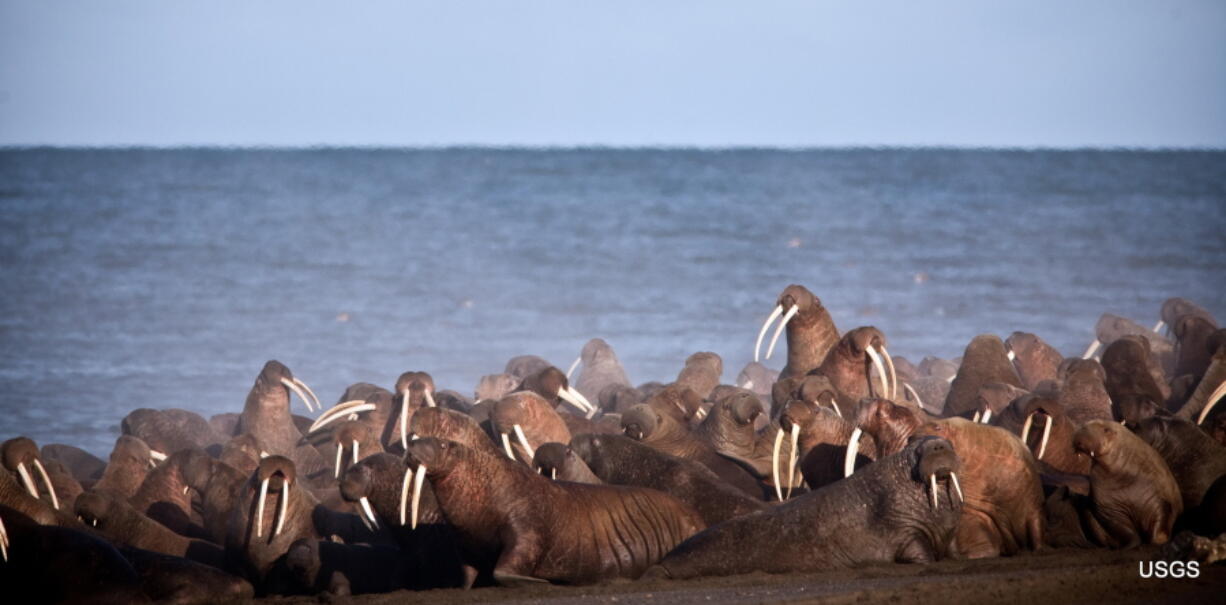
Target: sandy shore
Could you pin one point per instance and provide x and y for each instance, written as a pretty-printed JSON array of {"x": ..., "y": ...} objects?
[{"x": 1066, "y": 576}]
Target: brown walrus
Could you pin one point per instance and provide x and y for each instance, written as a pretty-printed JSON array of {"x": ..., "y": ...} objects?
[
  {"x": 273, "y": 510},
  {"x": 527, "y": 528},
  {"x": 1135, "y": 496},
  {"x": 902, "y": 508},
  {"x": 811, "y": 332}
]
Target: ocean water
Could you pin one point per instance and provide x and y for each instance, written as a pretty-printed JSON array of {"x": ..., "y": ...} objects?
[{"x": 166, "y": 278}]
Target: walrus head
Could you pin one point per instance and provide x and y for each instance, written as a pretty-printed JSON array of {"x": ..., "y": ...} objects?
[
  {"x": 357, "y": 484},
  {"x": 794, "y": 300},
  {"x": 349, "y": 436},
  {"x": 95, "y": 509},
  {"x": 431, "y": 457},
  {"x": 889, "y": 424},
  {"x": 1096, "y": 439},
  {"x": 549, "y": 458},
  {"x": 640, "y": 421},
  {"x": 276, "y": 379},
  {"x": 936, "y": 464},
  {"x": 20, "y": 455},
  {"x": 553, "y": 385},
  {"x": 277, "y": 473},
  {"x": 869, "y": 343},
  {"x": 595, "y": 351},
  {"x": 196, "y": 467},
  {"x": 1043, "y": 409}
]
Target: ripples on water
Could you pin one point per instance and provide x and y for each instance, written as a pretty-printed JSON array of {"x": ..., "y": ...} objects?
[{"x": 167, "y": 278}]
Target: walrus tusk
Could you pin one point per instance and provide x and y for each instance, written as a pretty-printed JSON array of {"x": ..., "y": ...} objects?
[
  {"x": 418, "y": 479},
  {"x": 591, "y": 409},
  {"x": 553, "y": 474},
  {"x": 368, "y": 511},
  {"x": 1046, "y": 434},
  {"x": 700, "y": 413},
  {"x": 1011, "y": 355},
  {"x": 55, "y": 502},
  {"x": 769, "y": 320},
  {"x": 907, "y": 387},
  {"x": 185, "y": 489},
  {"x": 355, "y": 451},
  {"x": 309, "y": 392},
  {"x": 156, "y": 455},
  {"x": 340, "y": 451},
  {"x": 834, "y": 405},
  {"x": 259, "y": 509},
  {"x": 1214, "y": 397},
  {"x": 792, "y": 459},
  {"x": 775, "y": 464},
  {"x": 779, "y": 329},
  {"x": 889, "y": 362},
  {"x": 853, "y": 447},
  {"x": 954, "y": 478},
  {"x": 283, "y": 509},
  {"x": 748, "y": 386},
  {"x": 1090, "y": 350},
  {"x": 4, "y": 541},
  {"x": 932, "y": 480},
  {"x": 430, "y": 398},
  {"x": 1158, "y": 326},
  {"x": 519, "y": 434},
  {"x": 975, "y": 418},
  {"x": 353, "y": 406},
  {"x": 293, "y": 386},
  {"x": 574, "y": 365},
  {"x": 404, "y": 493},
  {"x": 987, "y": 416},
  {"x": 1026, "y": 428},
  {"x": 573, "y": 397},
  {"x": 506, "y": 444},
  {"x": 885, "y": 388},
  {"x": 404, "y": 421},
  {"x": 27, "y": 480}
]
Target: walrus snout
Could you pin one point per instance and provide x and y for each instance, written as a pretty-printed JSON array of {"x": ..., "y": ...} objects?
[
  {"x": 275, "y": 374},
  {"x": 549, "y": 458},
  {"x": 92, "y": 508},
  {"x": 1092, "y": 438},
  {"x": 639, "y": 422},
  {"x": 937, "y": 461}
]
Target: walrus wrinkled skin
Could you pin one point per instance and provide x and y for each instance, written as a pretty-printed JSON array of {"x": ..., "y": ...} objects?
[
  {"x": 129, "y": 463},
  {"x": 122, "y": 524},
  {"x": 1040, "y": 420},
  {"x": 1003, "y": 512},
  {"x": 886, "y": 512},
  {"x": 257, "y": 536},
  {"x": 524, "y": 420},
  {"x": 1136, "y": 499},
  {"x": 266, "y": 415},
  {"x": 848, "y": 367},
  {"x": 1198, "y": 463},
  {"x": 1034, "y": 359},
  {"x": 527, "y": 528},
  {"x": 701, "y": 373},
  {"x": 822, "y": 438},
  {"x": 620, "y": 460}
]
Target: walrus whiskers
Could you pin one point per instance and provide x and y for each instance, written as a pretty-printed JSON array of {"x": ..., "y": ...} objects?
[{"x": 769, "y": 320}]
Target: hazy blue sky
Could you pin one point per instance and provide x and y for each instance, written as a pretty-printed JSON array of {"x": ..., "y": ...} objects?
[{"x": 1033, "y": 73}]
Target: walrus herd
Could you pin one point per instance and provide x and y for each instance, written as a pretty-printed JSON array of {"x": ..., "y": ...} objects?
[{"x": 848, "y": 456}]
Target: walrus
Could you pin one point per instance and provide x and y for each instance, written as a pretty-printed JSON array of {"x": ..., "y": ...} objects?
[
  {"x": 902, "y": 508},
  {"x": 560, "y": 463},
  {"x": 123, "y": 524},
  {"x": 1003, "y": 511},
  {"x": 1136, "y": 499},
  {"x": 129, "y": 463},
  {"x": 38, "y": 557},
  {"x": 819, "y": 440},
  {"x": 848, "y": 367},
  {"x": 531, "y": 420},
  {"x": 1192, "y": 349},
  {"x": 616, "y": 399},
  {"x": 495, "y": 386},
  {"x": 523, "y": 366},
  {"x": 219, "y": 487},
  {"x": 757, "y": 378},
  {"x": 1034, "y": 359},
  {"x": 1083, "y": 391},
  {"x": 20, "y": 456},
  {"x": 1045, "y": 428},
  {"x": 553, "y": 386},
  {"x": 266, "y": 415},
  {"x": 1126, "y": 364},
  {"x": 890, "y": 426},
  {"x": 164, "y": 494},
  {"x": 414, "y": 390},
  {"x": 992, "y": 399},
  {"x": 619, "y": 460},
  {"x": 382, "y": 486},
  {"x": 811, "y": 332},
  {"x": 527, "y": 528},
  {"x": 729, "y": 428},
  {"x": 170, "y": 579},
  {"x": 273, "y": 511},
  {"x": 315, "y": 566},
  {"x": 1111, "y": 328},
  {"x": 665, "y": 433},
  {"x": 1209, "y": 392},
  {"x": 701, "y": 373},
  {"x": 168, "y": 431},
  {"x": 985, "y": 361},
  {"x": 1198, "y": 464},
  {"x": 600, "y": 369},
  {"x": 85, "y": 467}
]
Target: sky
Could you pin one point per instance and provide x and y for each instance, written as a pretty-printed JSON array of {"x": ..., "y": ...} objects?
[{"x": 712, "y": 73}]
